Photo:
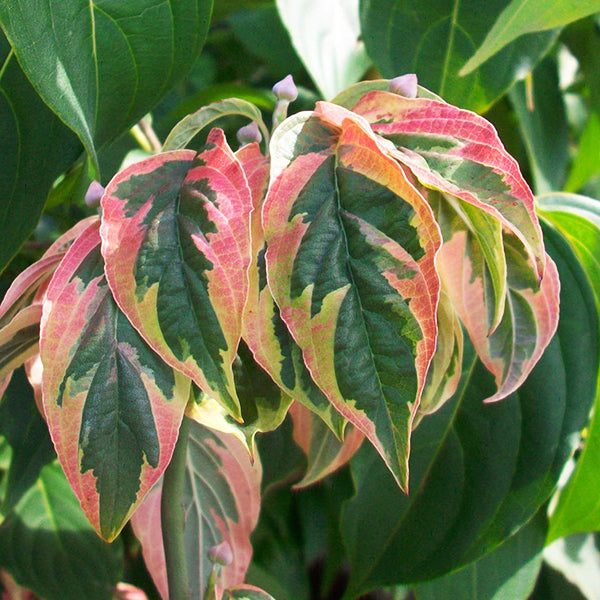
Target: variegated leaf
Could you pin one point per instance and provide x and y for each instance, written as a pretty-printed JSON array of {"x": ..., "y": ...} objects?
[
  {"x": 176, "y": 241},
  {"x": 325, "y": 453},
  {"x": 262, "y": 327},
  {"x": 351, "y": 246},
  {"x": 530, "y": 316},
  {"x": 459, "y": 153},
  {"x": 112, "y": 405},
  {"x": 221, "y": 500}
]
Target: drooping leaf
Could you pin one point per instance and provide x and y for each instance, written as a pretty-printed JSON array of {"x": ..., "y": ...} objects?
[
  {"x": 176, "y": 241},
  {"x": 221, "y": 499},
  {"x": 112, "y": 63},
  {"x": 479, "y": 471},
  {"x": 182, "y": 134},
  {"x": 31, "y": 156},
  {"x": 507, "y": 573},
  {"x": 578, "y": 219},
  {"x": 542, "y": 119},
  {"x": 357, "y": 289},
  {"x": 326, "y": 37},
  {"x": 435, "y": 39},
  {"x": 27, "y": 435},
  {"x": 325, "y": 453},
  {"x": 262, "y": 327},
  {"x": 113, "y": 407},
  {"x": 520, "y": 17},
  {"x": 48, "y": 546},
  {"x": 460, "y": 154}
]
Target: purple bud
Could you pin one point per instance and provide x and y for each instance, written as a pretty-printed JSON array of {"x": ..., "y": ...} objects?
[
  {"x": 405, "y": 85},
  {"x": 221, "y": 554},
  {"x": 249, "y": 133},
  {"x": 93, "y": 194},
  {"x": 286, "y": 89}
]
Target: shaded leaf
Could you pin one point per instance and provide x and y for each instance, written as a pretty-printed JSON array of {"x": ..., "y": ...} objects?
[
  {"x": 479, "y": 471},
  {"x": 113, "y": 407},
  {"x": 326, "y": 37},
  {"x": 357, "y": 290},
  {"x": 543, "y": 125},
  {"x": 325, "y": 453},
  {"x": 585, "y": 166},
  {"x": 244, "y": 592},
  {"x": 176, "y": 241},
  {"x": 578, "y": 219},
  {"x": 526, "y": 16},
  {"x": 48, "y": 546},
  {"x": 31, "y": 156},
  {"x": 435, "y": 39},
  {"x": 507, "y": 573},
  {"x": 112, "y": 64},
  {"x": 221, "y": 500}
]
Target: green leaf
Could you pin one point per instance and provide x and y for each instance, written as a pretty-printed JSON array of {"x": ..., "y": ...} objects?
[
  {"x": 357, "y": 288},
  {"x": 113, "y": 406},
  {"x": 326, "y": 37},
  {"x": 507, "y": 573},
  {"x": 26, "y": 433},
  {"x": 48, "y": 546},
  {"x": 479, "y": 471},
  {"x": 176, "y": 241},
  {"x": 543, "y": 125},
  {"x": 526, "y": 16},
  {"x": 221, "y": 499},
  {"x": 245, "y": 592},
  {"x": 32, "y": 157},
  {"x": 585, "y": 164},
  {"x": 102, "y": 65},
  {"x": 183, "y": 133},
  {"x": 434, "y": 39},
  {"x": 578, "y": 219}
]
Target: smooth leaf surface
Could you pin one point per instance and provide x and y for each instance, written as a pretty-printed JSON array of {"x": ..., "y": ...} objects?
[
  {"x": 244, "y": 592},
  {"x": 507, "y": 573},
  {"x": 479, "y": 471},
  {"x": 434, "y": 40},
  {"x": 112, "y": 63},
  {"x": 176, "y": 241},
  {"x": 543, "y": 122},
  {"x": 584, "y": 166},
  {"x": 325, "y": 453},
  {"x": 578, "y": 508},
  {"x": 221, "y": 500},
  {"x": 357, "y": 290},
  {"x": 31, "y": 156},
  {"x": 326, "y": 37},
  {"x": 113, "y": 406},
  {"x": 525, "y": 16},
  {"x": 183, "y": 133},
  {"x": 48, "y": 546},
  {"x": 26, "y": 433}
]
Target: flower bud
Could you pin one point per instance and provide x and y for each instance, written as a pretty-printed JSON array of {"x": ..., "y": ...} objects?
[
  {"x": 286, "y": 89},
  {"x": 94, "y": 194},
  {"x": 249, "y": 133},
  {"x": 221, "y": 554},
  {"x": 404, "y": 85}
]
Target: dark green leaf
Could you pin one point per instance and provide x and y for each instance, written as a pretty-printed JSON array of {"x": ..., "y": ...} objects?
[
  {"x": 102, "y": 65},
  {"x": 31, "y": 157},
  {"x": 543, "y": 125},
  {"x": 434, "y": 39},
  {"x": 507, "y": 573},
  {"x": 48, "y": 546},
  {"x": 478, "y": 471}
]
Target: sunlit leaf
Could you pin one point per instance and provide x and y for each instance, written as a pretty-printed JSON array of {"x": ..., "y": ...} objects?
[
  {"x": 221, "y": 500},
  {"x": 111, "y": 64},
  {"x": 113, "y": 407},
  {"x": 526, "y": 16},
  {"x": 176, "y": 241},
  {"x": 357, "y": 289}
]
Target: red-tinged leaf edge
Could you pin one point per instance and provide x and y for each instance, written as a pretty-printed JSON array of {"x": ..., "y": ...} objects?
[{"x": 112, "y": 406}]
